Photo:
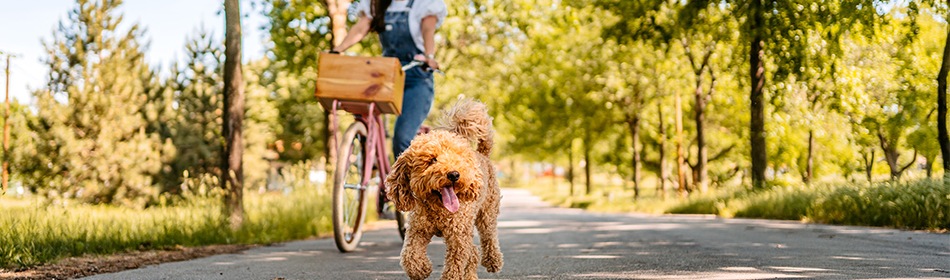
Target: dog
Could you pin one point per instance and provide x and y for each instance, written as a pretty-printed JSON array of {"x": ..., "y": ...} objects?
[{"x": 447, "y": 183}]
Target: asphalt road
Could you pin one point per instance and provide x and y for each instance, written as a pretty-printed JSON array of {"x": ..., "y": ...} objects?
[{"x": 540, "y": 242}]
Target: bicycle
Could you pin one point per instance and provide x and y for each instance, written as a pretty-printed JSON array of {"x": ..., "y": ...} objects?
[{"x": 361, "y": 159}]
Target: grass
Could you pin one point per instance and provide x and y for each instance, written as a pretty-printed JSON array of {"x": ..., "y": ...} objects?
[
  {"x": 32, "y": 235},
  {"x": 923, "y": 204},
  {"x": 920, "y": 204}
]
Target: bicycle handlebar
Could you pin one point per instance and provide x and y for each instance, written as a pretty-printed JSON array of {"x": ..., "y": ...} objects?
[{"x": 421, "y": 64}]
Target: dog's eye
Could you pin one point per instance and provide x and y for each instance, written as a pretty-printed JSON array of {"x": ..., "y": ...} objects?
[{"x": 433, "y": 161}]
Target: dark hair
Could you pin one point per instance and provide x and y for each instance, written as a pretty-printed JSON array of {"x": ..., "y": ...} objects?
[{"x": 378, "y": 11}]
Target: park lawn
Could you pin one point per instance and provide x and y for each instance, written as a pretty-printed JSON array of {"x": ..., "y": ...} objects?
[
  {"x": 33, "y": 234},
  {"x": 918, "y": 205}
]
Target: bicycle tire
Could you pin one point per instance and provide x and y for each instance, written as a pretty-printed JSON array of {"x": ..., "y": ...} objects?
[{"x": 350, "y": 199}]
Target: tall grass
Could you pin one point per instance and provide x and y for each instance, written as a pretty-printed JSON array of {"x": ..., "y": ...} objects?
[
  {"x": 34, "y": 235},
  {"x": 921, "y": 204}
]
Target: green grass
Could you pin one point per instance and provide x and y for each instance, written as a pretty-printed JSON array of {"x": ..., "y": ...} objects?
[
  {"x": 923, "y": 204},
  {"x": 32, "y": 235},
  {"x": 920, "y": 204}
]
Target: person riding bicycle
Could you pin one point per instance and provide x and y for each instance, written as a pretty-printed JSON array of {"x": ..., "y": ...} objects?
[{"x": 406, "y": 31}]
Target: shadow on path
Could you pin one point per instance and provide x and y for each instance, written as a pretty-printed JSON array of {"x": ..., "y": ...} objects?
[{"x": 540, "y": 242}]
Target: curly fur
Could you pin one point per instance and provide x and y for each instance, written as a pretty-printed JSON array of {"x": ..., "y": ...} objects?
[{"x": 423, "y": 170}]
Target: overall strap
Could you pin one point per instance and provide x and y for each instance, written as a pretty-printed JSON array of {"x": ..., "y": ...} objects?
[{"x": 410, "y": 4}]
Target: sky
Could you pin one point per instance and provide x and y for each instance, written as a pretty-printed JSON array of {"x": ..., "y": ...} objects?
[{"x": 25, "y": 24}]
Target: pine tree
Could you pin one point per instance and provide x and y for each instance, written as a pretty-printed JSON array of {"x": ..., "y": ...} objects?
[
  {"x": 199, "y": 88},
  {"x": 95, "y": 137}
]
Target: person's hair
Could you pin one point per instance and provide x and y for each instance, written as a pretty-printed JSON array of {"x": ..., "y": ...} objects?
[{"x": 378, "y": 11}]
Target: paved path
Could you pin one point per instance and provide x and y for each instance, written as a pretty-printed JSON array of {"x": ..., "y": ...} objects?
[{"x": 540, "y": 242}]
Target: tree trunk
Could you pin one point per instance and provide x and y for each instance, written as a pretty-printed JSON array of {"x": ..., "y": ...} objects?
[
  {"x": 634, "y": 124},
  {"x": 701, "y": 176},
  {"x": 587, "y": 162},
  {"x": 869, "y": 166},
  {"x": 757, "y": 108},
  {"x": 699, "y": 170},
  {"x": 942, "y": 136},
  {"x": 892, "y": 155},
  {"x": 337, "y": 10},
  {"x": 810, "y": 165},
  {"x": 570, "y": 169},
  {"x": 661, "y": 187},
  {"x": 233, "y": 176},
  {"x": 338, "y": 13},
  {"x": 930, "y": 167},
  {"x": 680, "y": 158},
  {"x": 331, "y": 145}
]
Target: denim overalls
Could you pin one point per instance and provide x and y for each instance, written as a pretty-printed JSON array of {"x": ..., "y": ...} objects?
[{"x": 418, "y": 94}]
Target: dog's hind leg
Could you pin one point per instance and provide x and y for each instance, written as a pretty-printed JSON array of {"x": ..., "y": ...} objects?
[
  {"x": 414, "y": 259},
  {"x": 487, "y": 224}
]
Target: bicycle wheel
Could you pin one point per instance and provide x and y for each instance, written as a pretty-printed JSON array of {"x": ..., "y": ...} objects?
[{"x": 349, "y": 195}]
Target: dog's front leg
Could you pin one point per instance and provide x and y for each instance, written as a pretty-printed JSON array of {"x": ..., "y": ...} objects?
[
  {"x": 461, "y": 259},
  {"x": 414, "y": 259}
]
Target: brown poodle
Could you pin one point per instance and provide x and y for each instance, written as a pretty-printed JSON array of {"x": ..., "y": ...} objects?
[{"x": 447, "y": 183}]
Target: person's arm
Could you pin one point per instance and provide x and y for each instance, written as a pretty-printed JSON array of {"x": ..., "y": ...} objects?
[
  {"x": 356, "y": 34},
  {"x": 428, "y": 40}
]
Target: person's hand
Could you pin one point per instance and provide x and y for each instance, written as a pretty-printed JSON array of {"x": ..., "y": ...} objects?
[{"x": 432, "y": 63}]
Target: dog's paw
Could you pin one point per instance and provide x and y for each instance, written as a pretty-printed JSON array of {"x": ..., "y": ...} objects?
[
  {"x": 493, "y": 262},
  {"x": 418, "y": 269}
]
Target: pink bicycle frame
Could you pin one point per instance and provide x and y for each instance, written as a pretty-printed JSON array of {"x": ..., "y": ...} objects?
[{"x": 367, "y": 114}]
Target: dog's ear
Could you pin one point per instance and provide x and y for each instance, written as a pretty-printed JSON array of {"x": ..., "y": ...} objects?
[{"x": 397, "y": 184}]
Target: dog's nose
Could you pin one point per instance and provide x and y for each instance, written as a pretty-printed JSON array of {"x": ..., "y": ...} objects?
[{"x": 453, "y": 176}]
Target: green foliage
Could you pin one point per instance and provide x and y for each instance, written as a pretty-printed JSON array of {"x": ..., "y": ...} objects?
[
  {"x": 783, "y": 203},
  {"x": 22, "y": 141},
  {"x": 108, "y": 130},
  {"x": 94, "y": 143},
  {"x": 923, "y": 204},
  {"x": 199, "y": 91}
]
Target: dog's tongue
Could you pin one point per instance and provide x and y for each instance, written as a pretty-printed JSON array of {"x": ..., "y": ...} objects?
[{"x": 449, "y": 200}]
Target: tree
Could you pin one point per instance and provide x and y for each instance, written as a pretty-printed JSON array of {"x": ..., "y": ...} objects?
[
  {"x": 942, "y": 135},
  {"x": 890, "y": 108},
  {"x": 198, "y": 85},
  {"x": 775, "y": 32},
  {"x": 922, "y": 140},
  {"x": 93, "y": 142},
  {"x": 702, "y": 34},
  {"x": 232, "y": 176},
  {"x": 21, "y": 157},
  {"x": 756, "y": 27}
]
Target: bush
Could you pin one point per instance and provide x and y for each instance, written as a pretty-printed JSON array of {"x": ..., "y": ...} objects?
[
  {"x": 781, "y": 202},
  {"x": 923, "y": 204}
]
